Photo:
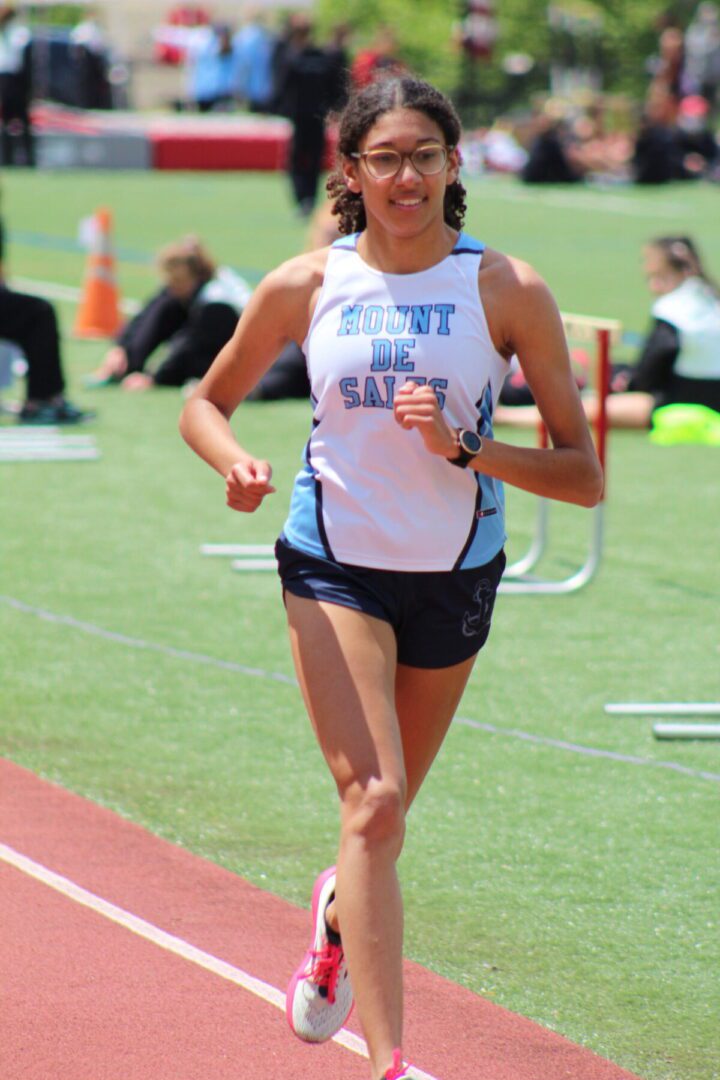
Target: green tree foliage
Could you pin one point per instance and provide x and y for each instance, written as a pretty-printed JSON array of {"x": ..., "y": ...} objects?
[
  {"x": 619, "y": 36},
  {"x": 423, "y": 27}
]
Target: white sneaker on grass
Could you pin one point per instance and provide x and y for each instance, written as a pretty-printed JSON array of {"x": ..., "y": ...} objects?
[{"x": 319, "y": 996}]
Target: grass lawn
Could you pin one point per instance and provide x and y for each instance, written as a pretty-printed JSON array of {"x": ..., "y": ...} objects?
[{"x": 579, "y": 889}]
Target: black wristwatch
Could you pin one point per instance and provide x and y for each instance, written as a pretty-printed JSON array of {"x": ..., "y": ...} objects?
[{"x": 469, "y": 445}]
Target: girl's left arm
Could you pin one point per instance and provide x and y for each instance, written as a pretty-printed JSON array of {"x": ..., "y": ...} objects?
[
  {"x": 569, "y": 470},
  {"x": 523, "y": 307}
]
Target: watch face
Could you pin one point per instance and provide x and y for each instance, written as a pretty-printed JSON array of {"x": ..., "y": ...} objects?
[{"x": 471, "y": 442}]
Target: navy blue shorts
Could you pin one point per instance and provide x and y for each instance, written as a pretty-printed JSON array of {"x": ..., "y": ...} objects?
[{"x": 440, "y": 618}]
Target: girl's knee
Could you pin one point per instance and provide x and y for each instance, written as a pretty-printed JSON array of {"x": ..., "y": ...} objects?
[{"x": 375, "y": 813}]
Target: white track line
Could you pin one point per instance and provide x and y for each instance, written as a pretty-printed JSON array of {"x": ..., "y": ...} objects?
[
  {"x": 260, "y": 673},
  {"x": 171, "y": 943}
]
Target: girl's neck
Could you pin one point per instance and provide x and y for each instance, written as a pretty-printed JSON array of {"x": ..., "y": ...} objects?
[{"x": 405, "y": 255}]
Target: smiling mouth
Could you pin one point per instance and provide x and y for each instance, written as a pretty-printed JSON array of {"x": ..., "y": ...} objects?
[{"x": 408, "y": 204}]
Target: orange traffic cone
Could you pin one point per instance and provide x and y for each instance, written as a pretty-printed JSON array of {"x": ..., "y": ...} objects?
[{"x": 98, "y": 314}]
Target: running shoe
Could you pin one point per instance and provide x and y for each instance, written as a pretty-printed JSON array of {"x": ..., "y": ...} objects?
[
  {"x": 53, "y": 412},
  {"x": 319, "y": 996}
]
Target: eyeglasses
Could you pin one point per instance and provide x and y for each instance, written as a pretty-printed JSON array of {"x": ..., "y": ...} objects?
[{"x": 426, "y": 160}]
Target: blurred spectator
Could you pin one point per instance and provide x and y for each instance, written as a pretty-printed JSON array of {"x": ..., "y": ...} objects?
[
  {"x": 30, "y": 323},
  {"x": 306, "y": 89},
  {"x": 339, "y": 75},
  {"x": 697, "y": 142},
  {"x": 90, "y": 52},
  {"x": 15, "y": 88},
  {"x": 211, "y": 68},
  {"x": 172, "y": 36},
  {"x": 377, "y": 60},
  {"x": 194, "y": 313},
  {"x": 668, "y": 67},
  {"x": 288, "y": 377},
  {"x": 253, "y": 47},
  {"x": 702, "y": 53},
  {"x": 657, "y": 156},
  {"x": 552, "y": 158},
  {"x": 599, "y": 152}
]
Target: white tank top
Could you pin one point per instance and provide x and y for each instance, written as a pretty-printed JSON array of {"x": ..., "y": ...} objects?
[
  {"x": 694, "y": 309},
  {"x": 369, "y": 493}
]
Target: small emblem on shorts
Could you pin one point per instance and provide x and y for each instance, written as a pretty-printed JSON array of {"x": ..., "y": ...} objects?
[
  {"x": 485, "y": 513},
  {"x": 484, "y": 597}
]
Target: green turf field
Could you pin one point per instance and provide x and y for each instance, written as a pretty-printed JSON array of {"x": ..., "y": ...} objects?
[{"x": 578, "y": 889}]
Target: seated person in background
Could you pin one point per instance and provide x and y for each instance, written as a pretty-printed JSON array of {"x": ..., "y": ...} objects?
[
  {"x": 698, "y": 145},
  {"x": 658, "y": 155},
  {"x": 680, "y": 360},
  {"x": 30, "y": 323},
  {"x": 552, "y": 158},
  {"x": 288, "y": 377},
  {"x": 195, "y": 313}
]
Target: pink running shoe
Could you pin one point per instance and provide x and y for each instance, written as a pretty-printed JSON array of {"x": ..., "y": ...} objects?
[
  {"x": 398, "y": 1070},
  {"x": 319, "y": 996}
]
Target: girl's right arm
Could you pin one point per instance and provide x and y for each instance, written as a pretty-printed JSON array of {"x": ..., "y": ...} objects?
[{"x": 278, "y": 311}]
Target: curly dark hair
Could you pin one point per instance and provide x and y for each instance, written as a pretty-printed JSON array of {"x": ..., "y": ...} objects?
[{"x": 359, "y": 115}]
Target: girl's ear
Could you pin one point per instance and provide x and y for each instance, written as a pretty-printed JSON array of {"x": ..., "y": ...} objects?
[
  {"x": 351, "y": 175},
  {"x": 453, "y": 166}
]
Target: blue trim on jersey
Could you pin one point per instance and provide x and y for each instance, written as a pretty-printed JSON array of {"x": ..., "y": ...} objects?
[
  {"x": 464, "y": 245},
  {"x": 346, "y": 243},
  {"x": 305, "y": 516},
  {"x": 467, "y": 245},
  {"x": 480, "y": 548},
  {"x": 304, "y": 528}
]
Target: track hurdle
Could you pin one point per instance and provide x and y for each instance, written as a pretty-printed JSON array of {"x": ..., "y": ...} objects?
[
  {"x": 45, "y": 444},
  {"x": 518, "y": 577},
  {"x": 243, "y": 556},
  {"x": 665, "y": 729},
  {"x": 667, "y": 708}
]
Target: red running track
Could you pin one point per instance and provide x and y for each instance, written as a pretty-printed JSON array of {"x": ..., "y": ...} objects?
[{"x": 85, "y": 998}]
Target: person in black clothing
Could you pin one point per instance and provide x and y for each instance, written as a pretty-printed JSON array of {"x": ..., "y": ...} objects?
[
  {"x": 30, "y": 323},
  {"x": 306, "y": 89},
  {"x": 195, "y": 313},
  {"x": 288, "y": 377},
  {"x": 550, "y": 159},
  {"x": 15, "y": 90}
]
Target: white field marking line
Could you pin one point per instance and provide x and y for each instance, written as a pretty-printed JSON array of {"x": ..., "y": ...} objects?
[
  {"x": 588, "y": 751},
  {"x": 171, "y": 943},
  {"x": 669, "y": 708},
  {"x": 65, "y": 292},
  {"x": 289, "y": 680}
]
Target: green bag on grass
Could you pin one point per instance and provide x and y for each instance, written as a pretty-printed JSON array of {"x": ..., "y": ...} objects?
[{"x": 676, "y": 424}]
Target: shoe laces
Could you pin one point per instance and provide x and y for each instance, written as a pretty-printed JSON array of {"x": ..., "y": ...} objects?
[
  {"x": 326, "y": 968},
  {"x": 398, "y": 1069}
]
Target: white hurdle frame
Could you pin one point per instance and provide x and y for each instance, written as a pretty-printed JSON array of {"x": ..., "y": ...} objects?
[
  {"x": 667, "y": 708},
  {"x": 518, "y": 577},
  {"x": 665, "y": 729}
]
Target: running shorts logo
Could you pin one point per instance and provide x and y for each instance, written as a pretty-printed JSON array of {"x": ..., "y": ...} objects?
[{"x": 477, "y": 622}]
